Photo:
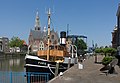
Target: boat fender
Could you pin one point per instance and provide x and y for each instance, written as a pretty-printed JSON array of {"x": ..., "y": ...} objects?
[{"x": 61, "y": 74}]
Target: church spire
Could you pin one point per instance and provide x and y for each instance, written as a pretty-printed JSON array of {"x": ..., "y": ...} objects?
[{"x": 37, "y": 22}]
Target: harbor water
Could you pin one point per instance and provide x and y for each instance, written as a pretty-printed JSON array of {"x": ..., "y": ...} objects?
[
  {"x": 13, "y": 63},
  {"x": 12, "y": 71}
]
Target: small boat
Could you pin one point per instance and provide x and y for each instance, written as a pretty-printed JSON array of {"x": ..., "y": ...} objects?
[{"x": 55, "y": 58}]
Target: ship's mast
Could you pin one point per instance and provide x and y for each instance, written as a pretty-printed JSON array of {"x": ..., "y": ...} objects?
[{"x": 48, "y": 51}]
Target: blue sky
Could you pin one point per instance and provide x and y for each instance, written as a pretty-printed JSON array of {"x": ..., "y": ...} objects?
[{"x": 92, "y": 18}]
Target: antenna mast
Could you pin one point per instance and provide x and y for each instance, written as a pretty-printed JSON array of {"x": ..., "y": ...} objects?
[{"x": 67, "y": 29}]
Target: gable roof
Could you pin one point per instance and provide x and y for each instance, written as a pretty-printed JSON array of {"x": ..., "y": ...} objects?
[{"x": 37, "y": 34}]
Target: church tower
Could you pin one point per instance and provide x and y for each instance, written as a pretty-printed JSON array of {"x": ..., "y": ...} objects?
[{"x": 37, "y": 22}]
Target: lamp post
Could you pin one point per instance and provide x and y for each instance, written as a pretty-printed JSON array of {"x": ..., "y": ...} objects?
[
  {"x": 72, "y": 50},
  {"x": 76, "y": 50},
  {"x": 28, "y": 49},
  {"x": 75, "y": 61}
]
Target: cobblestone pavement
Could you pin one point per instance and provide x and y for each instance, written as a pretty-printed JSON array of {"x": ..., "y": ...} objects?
[{"x": 89, "y": 74}]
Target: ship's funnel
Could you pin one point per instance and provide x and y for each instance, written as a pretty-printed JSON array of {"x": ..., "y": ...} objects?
[{"x": 63, "y": 38}]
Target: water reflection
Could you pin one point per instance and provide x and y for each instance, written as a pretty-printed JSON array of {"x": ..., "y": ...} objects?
[{"x": 12, "y": 63}]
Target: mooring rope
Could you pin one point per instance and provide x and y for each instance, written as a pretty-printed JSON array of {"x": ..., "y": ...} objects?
[{"x": 50, "y": 69}]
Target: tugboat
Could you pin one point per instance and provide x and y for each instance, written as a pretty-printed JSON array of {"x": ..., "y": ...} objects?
[{"x": 46, "y": 60}]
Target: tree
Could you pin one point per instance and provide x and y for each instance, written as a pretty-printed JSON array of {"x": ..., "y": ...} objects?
[
  {"x": 106, "y": 50},
  {"x": 110, "y": 51},
  {"x": 98, "y": 50},
  {"x": 109, "y": 54},
  {"x": 81, "y": 45},
  {"x": 107, "y": 59},
  {"x": 16, "y": 42}
]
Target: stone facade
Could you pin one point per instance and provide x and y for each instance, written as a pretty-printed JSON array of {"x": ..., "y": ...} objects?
[
  {"x": 38, "y": 37},
  {"x": 115, "y": 37},
  {"x": 116, "y": 31},
  {"x": 4, "y": 47}
]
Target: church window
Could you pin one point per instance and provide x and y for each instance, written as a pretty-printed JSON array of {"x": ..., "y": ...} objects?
[
  {"x": 41, "y": 42},
  {"x": 41, "y": 47}
]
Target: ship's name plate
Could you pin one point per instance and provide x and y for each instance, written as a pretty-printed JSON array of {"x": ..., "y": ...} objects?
[{"x": 42, "y": 63}]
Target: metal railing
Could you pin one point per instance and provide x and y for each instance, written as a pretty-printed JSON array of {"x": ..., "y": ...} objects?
[{"x": 23, "y": 77}]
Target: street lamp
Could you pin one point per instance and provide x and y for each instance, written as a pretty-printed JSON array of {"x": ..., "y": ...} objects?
[
  {"x": 72, "y": 50},
  {"x": 28, "y": 49},
  {"x": 76, "y": 50}
]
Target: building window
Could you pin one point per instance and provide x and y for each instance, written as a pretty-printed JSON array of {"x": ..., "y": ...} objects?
[
  {"x": 41, "y": 42},
  {"x": 35, "y": 48},
  {"x": 6, "y": 40},
  {"x": 41, "y": 47},
  {"x": 52, "y": 37},
  {"x": 1, "y": 48}
]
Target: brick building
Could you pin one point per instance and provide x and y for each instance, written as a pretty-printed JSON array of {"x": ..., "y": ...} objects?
[
  {"x": 116, "y": 31},
  {"x": 38, "y": 37},
  {"x": 114, "y": 37}
]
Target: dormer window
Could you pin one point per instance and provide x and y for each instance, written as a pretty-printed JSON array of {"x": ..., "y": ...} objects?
[{"x": 52, "y": 37}]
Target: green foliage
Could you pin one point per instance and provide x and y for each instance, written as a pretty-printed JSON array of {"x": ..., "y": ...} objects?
[
  {"x": 106, "y": 51},
  {"x": 15, "y": 42},
  {"x": 98, "y": 50},
  {"x": 81, "y": 44},
  {"x": 111, "y": 51},
  {"x": 106, "y": 60}
]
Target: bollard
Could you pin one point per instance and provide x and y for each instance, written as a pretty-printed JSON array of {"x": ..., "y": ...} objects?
[
  {"x": 95, "y": 58},
  {"x": 81, "y": 58},
  {"x": 56, "y": 69},
  {"x": 80, "y": 66},
  {"x": 75, "y": 62},
  {"x": 69, "y": 61}
]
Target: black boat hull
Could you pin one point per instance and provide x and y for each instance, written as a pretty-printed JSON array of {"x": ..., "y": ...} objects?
[{"x": 35, "y": 64}]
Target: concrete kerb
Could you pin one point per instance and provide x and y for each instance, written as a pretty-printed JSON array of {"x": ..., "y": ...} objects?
[{"x": 50, "y": 81}]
